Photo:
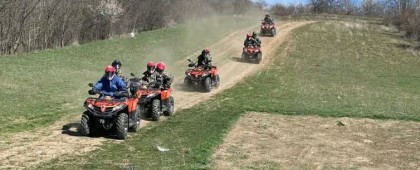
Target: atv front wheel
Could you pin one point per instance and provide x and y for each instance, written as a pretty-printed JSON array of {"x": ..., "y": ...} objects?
[
  {"x": 243, "y": 56},
  {"x": 273, "y": 32},
  {"x": 86, "y": 125},
  {"x": 156, "y": 109},
  {"x": 217, "y": 81},
  {"x": 121, "y": 126},
  {"x": 259, "y": 58},
  {"x": 207, "y": 84},
  {"x": 135, "y": 118},
  {"x": 170, "y": 106}
]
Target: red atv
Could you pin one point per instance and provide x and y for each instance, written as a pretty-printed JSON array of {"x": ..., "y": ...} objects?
[
  {"x": 252, "y": 53},
  {"x": 268, "y": 28},
  {"x": 153, "y": 101},
  {"x": 200, "y": 77},
  {"x": 106, "y": 113}
]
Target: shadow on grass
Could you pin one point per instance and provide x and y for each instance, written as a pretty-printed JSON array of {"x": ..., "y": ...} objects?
[
  {"x": 71, "y": 129},
  {"x": 239, "y": 60}
]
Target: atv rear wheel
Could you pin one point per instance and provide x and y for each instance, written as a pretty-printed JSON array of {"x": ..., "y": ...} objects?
[
  {"x": 156, "y": 109},
  {"x": 136, "y": 119},
  {"x": 121, "y": 126},
  {"x": 85, "y": 128},
  {"x": 170, "y": 106},
  {"x": 207, "y": 84}
]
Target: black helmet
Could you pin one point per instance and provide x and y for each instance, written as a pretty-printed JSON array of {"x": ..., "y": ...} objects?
[
  {"x": 254, "y": 34},
  {"x": 116, "y": 64}
]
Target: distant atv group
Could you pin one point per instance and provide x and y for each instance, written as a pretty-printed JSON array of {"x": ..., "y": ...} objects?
[
  {"x": 123, "y": 102},
  {"x": 252, "y": 45}
]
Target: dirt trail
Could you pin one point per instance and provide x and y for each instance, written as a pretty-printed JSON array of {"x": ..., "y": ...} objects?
[{"x": 29, "y": 149}]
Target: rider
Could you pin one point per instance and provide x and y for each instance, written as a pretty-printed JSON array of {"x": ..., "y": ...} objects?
[
  {"x": 249, "y": 41},
  {"x": 149, "y": 74},
  {"x": 163, "y": 79},
  {"x": 257, "y": 40},
  {"x": 268, "y": 19},
  {"x": 109, "y": 84},
  {"x": 204, "y": 59}
]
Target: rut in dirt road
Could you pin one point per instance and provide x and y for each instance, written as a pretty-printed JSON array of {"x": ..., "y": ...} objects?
[{"x": 27, "y": 149}]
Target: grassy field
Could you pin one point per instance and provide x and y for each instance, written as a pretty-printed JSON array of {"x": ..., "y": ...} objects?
[
  {"x": 39, "y": 88},
  {"x": 330, "y": 69}
]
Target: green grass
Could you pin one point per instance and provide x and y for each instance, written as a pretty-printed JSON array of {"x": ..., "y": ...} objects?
[
  {"x": 327, "y": 68},
  {"x": 42, "y": 87}
]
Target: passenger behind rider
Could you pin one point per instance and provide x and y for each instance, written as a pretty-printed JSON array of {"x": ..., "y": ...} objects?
[
  {"x": 249, "y": 41},
  {"x": 163, "y": 79},
  {"x": 268, "y": 19},
  {"x": 149, "y": 74},
  {"x": 118, "y": 69},
  {"x": 109, "y": 84},
  {"x": 204, "y": 59},
  {"x": 257, "y": 40}
]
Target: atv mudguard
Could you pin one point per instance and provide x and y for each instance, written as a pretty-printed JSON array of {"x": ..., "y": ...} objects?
[
  {"x": 132, "y": 104},
  {"x": 165, "y": 94}
]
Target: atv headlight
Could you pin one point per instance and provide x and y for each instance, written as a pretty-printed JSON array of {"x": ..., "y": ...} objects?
[
  {"x": 150, "y": 95},
  {"x": 90, "y": 106},
  {"x": 117, "y": 107}
]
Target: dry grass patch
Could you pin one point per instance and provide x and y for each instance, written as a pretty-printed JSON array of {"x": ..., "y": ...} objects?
[{"x": 267, "y": 141}]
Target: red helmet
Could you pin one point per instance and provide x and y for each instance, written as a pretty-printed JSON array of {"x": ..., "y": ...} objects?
[
  {"x": 109, "y": 72},
  {"x": 151, "y": 67},
  {"x": 109, "y": 69},
  {"x": 207, "y": 50},
  {"x": 160, "y": 66},
  {"x": 248, "y": 35}
]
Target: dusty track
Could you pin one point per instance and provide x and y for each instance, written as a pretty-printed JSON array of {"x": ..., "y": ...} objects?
[{"x": 29, "y": 149}]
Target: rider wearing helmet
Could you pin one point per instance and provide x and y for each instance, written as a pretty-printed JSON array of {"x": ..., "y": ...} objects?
[
  {"x": 110, "y": 83},
  {"x": 148, "y": 75},
  {"x": 268, "y": 19},
  {"x": 163, "y": 79},
  {"x": 249, "y": 41},
  {"x": 204, "y": 59},
  {"x": 257, "y": 40}
]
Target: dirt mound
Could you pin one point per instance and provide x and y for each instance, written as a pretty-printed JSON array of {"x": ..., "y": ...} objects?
[{"x": 268, "y": 141}]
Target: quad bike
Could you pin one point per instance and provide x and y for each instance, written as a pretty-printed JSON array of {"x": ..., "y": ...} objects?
[
  {"x": 116, "y": 116},
  {"x": 252, "y": 53},
  {"x": 153, "y": 101},
  {"x": 268, "y": 28},
  {"x": 202, "y": 78}
]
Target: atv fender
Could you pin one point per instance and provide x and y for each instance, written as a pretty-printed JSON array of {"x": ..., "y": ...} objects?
[
  {"x": 213, "y": 71},
  {"x": 165, "y": 94},
  {"x": 132, "y": 104}
]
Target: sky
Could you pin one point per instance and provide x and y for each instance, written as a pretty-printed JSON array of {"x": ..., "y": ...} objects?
[{"x": 285, "y": 2}]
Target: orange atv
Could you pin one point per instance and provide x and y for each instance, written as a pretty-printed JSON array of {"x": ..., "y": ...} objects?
[
  {"x": 252, "y": 53},
  {"x": 110, "y": 114},
  {"x": 154, "y": 101},
  {"x": 267, "y": 28},
  {"x": 200, "y": 77}
]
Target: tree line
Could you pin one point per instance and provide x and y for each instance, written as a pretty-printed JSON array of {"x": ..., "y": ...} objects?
[
  {"x": 404, "y": 14},
  {"x": 28, "y": 25}
]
